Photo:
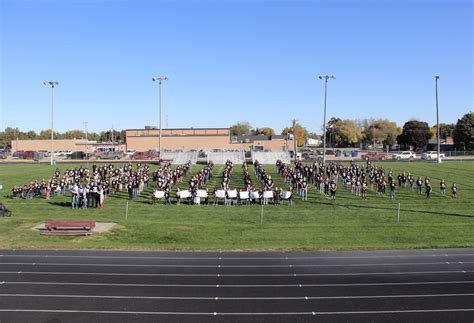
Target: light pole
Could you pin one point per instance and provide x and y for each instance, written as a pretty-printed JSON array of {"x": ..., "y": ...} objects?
[
  {"x": 160, "y": 82},
  {"x": 437, "y": 121},
  {"x": 53, "y": 85},
  {"x": 326, "y": 78},
  {"x": 87, "y": 143},
  {"x": 294, "y": 139}
]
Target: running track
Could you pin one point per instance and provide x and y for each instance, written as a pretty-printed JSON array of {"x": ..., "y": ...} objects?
[{"x": 350, "y": 286}]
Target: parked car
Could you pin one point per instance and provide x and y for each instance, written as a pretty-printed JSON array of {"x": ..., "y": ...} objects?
[
  {"x": 375, "y": 155},
  {"x": 432, "y": 155},
  {"x": 406, "y": 155},
  {"x": 150, "y": 154},
  {"x": 77, "y": 155},
  {"x": 130, "y": 152},
  {"x": 112, "y": 155},
  {"x": 17, "y": 153}
]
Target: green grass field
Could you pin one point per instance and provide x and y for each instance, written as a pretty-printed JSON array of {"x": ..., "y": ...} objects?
[{"x": 318, "y": 224}]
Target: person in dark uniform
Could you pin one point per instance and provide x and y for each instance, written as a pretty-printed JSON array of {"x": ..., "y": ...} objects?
[
  {"x": 419, "y": 185},
  {"x": 392, "y": 190},
  {"x": 442, "y": 187},
  {"x": 364, "y": 190},
  {"x": 428, "y": 189},
  {"x": 333, "y": 190},
  {"x": 454, "y": 191}
]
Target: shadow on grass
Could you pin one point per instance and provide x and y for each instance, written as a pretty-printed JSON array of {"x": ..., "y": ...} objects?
[{"x": 402, "y": 209}]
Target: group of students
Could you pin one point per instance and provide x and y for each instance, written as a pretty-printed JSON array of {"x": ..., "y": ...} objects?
[
  {"x": 356, "y": 178},
  {"x": 88, "y": 188}
]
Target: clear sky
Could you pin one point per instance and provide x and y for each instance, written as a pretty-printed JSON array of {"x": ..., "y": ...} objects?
[{"x": 233, "y": 60}]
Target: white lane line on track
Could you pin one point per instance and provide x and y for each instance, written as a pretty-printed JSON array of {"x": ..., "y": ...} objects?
[
  {"x": 240, "y": 314},
  {"x": 241, "y": 258},
  {"x": 232, "y": 266},
  {"x": 235, "y": 275},
  {"x": 235, "y": 298},
  {"x": 240, "y": 286}
]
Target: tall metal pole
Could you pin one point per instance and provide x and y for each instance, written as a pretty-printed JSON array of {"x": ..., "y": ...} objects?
[
  {"x": 161, "y": 115},
  {"x": 87, "y": 144},
  {"x": 437, "y": 121},
  {"x": 160, "y": 82},
  {"x": 294, "y": 139},
  {"x": 325, "y": 77},
  {"x": 53, "y": 85}
]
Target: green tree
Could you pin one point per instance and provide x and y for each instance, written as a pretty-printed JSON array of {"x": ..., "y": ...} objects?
[
  {"x": 7, "y": 136},
  {"x": 240, "y": 129},
  {"x": 415, "y": 133},
  {"x": 346, "y": 132},
  {"x": 46, "y": 134},
  {"x": 464, "y": 132},
  {"x": 383, "y": 131},
  {"x": 71, "y": 134},
  {"x": 117, "y": 136},
  {"x": 446, "y": 130}
]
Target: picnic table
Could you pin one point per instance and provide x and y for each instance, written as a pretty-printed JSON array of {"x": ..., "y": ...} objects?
[{"x": 69, "y": 228}]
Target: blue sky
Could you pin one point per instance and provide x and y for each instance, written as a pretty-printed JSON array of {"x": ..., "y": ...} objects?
[{"x": 231, "y": 60}]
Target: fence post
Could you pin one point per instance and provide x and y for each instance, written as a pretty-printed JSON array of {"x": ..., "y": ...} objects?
[
  {"x": 398, "y": 213},
  {"x": 126, "y": 211},
  {"x": 261, "y": 215}
]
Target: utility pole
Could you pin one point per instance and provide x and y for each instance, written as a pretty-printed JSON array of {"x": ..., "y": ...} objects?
[
  {"x": 294, "y": 138},
  {"x": 160, "y": 80},
  {"x": 53, "y": 84},
  {"x": 437, "y": 121},
  {"x": 325, "y": 77},
  {"x": 373, "y": 132}
]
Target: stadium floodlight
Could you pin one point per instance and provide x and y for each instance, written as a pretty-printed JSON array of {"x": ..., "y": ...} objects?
[
  {"x": 326, "y": 78},
  {"x": 53, "y": 84},
  {"x": 437, "y": 120},
  {"x": 160, "y": 80}
]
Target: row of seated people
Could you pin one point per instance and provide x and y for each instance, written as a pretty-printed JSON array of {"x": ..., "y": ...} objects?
[{"x": 227, "y": 197}]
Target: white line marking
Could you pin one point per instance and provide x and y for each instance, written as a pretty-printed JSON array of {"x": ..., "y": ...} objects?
[
  {"x": 235, "y": 275},
  {"x": 234, "y": 298},
  {"x": 239, "y": 258},
  {"x": 240, "y": 286},
  {"x": 228, "y": 266},
  {"x": 243, "y": 314}
]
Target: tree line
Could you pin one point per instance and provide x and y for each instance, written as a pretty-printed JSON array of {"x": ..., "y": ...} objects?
[
  {"x": 339, "y": 132},
  {"x": 348, "y": 133},
  {"x": 11, "y": 134}
]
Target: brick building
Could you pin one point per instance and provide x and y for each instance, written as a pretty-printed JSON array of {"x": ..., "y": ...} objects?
[{"x": 184, "y": 139}]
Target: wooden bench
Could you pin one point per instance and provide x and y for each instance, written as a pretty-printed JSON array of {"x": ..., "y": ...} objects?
[{"x": 69, "y": 228}]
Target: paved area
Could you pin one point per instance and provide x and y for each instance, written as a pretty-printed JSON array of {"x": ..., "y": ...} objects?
[
  {"x": 356, "y": 286},
  {"x": 99, "y": 227}
]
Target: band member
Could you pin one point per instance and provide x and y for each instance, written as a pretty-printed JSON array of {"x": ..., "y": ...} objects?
[
  {"x": 454, "y": 191},
  {"x": 333, "y": 189}
]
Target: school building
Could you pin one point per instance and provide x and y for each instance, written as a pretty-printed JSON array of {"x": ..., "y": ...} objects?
[{"x": 184, "y": 139}]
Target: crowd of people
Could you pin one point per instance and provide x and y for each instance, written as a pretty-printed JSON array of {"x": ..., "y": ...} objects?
[
  {"x": 358, "y": 179},
  {"x": 90, "y": 188}
]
